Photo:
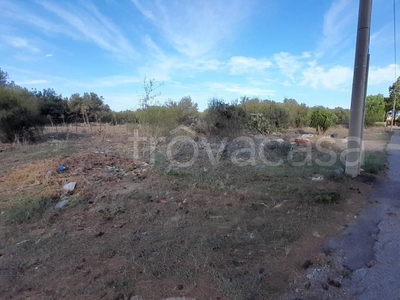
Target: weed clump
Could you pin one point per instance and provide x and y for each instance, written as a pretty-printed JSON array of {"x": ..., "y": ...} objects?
[
  {"x": 328, "y": 197},
  {"x": 27, "y": 210}
]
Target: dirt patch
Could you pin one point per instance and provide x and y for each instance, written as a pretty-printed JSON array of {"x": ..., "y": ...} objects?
[{"x": 232, "y": 232}]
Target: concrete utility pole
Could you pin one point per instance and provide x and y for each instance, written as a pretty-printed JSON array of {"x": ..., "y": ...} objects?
[{"x": 354, "y": 144}]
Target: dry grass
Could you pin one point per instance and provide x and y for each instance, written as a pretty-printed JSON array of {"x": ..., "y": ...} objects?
[{"x": 226, "y": 231}]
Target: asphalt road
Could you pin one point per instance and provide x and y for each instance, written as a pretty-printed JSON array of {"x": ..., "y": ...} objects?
[
  {"x": 365, "y": 258},
  {"x": 371, "y": 247}
]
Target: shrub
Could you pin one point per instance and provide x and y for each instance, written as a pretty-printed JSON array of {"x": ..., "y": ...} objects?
[
  {"x": 260, "y": 123},
  {"x": 321, "y": 119},
  {"x": 27, "y": 210},
  {"x": 276, "y": 114},
  {"x": 19, "y": 114},
  {"x": 185, "y": 111},
  {"x": 159, "y": 119},
  {"x": 342, "y": 116},
  {"x": 225, "y": 119},
  {"x": 375, "y": 109},
  {"x": 297, "y": 113}
]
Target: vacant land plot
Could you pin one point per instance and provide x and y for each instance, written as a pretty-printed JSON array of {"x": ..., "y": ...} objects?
[{"x": 191, "y": 216}]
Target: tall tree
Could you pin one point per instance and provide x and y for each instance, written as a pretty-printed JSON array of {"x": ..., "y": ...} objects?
[
  {"x": 375, "y": 109},
  {"x": 3, "y": 78},
  {"x": 394, "y": 92}
]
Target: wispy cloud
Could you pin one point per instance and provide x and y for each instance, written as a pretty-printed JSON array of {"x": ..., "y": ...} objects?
[
  {"x": 243, "y": 65},
  {"x": 341, "y": 15},
  {"x": 49, "y": 55},
  {"x": 11, "y": 11},
  {"x": 386, "y": 74},
  {"x": 335, "y": 78},
  {"x": 290, "y": 64},
  {"x": 80, "y": 21},
  {"x": 240, "y": 89},
  {"x": 92, "y": 25},
  {"x": 20, "y": 42},
  {"x": 194, "y": 28}
]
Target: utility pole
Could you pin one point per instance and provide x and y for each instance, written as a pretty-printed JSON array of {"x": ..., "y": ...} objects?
[
  {"x": 354, "y": 144},
  {"x": 395, "y": 66}
]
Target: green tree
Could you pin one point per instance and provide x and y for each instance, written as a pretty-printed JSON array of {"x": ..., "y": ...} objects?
[
  {"x": 342, "y": 116},
  {"x": 275, "y": 113},
  {"x": 52, "y": 106},
  {"x": 19, "y": 114},
  {"x": 3, "y": 78},
  {"x": 375, "y": 109},
  {"x": 79, "y": 107},
  {"x": 321, "y": 119},
  {"x": 224, "y": 118},
  {"x": 185, "y": 110},
  {"x": 297, "y": 112},
  {"x": 394, "y": 95}
]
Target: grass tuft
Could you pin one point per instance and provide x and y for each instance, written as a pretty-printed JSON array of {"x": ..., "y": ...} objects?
[
  {"x": 27, "y": 210},
  {"x": 374, "y": 162}
]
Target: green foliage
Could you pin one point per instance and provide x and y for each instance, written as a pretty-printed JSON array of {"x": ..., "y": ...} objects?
[
  {"x": 328, "y": 197},
  {"x": 52, "y": 106},
  {"x": 3, "y": 78},
  {"x": 375, "y": 109},
  {"x": 225, "y": 119},
  {"x": 342, "y": 116},
  {"x": 297, "y": 112},
  {"x": 259, "y": 122},
  {"x": 19, "y": 114},
  {"x": 374, "y": 162},
  {"x": 185, "y": 111},
  {"x": 160, "y": 119},
  {"x": 321, "y": 119},
  {"x": 89, "y": 107},
  {"x": 126, "y": 116},
  {"x": 27, "y": 210},
  {"x": 277, "y": 115}
]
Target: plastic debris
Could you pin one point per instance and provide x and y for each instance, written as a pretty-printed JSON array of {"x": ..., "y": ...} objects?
[
  {"x": 317, "y": 177},
  {"x": 62, "y": 168},
  {"x": 61, "y": 204},
  {"x": 69, "y": 186}
]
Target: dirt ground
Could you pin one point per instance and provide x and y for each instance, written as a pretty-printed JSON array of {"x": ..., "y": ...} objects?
[{"x": 134, "y": 228}]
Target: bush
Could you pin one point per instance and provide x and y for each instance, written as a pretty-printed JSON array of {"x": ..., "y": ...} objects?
[
  {"x": 185, "y": 111},
  {"x": 159, "y": 119},
  {"x": 297, "y": 113},
  {"x": 27, "y": 210},
  {"x": 19, "y": 114},
  {"x": 374, "y": 110},
  {"x": 321, "y": 119},
  {"x": 225, "y": 119},
  {"x": 276, "y": 114},
  {"x": 342, "y": 116},
  {"x": 260, "y": 123}
]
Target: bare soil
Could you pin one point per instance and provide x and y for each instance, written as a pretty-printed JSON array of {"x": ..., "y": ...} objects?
[{"x": 158, "y": 231}]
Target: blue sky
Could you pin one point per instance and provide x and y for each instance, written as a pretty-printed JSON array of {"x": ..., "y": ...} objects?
[{"x": 270, "y": 49}]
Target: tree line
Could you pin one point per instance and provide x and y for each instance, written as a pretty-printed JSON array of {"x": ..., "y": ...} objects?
[{"x": 23, "y": 113}]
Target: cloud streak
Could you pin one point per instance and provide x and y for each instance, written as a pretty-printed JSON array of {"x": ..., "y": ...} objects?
[
  {"x": 93, "y": 26},
  {"x": 243, "y": 65},
  {"x": 80, "y": 21},
  {"x": 195, "y": 28},
  {"x": 341, "y": 15},
  {"x": 20, "y": 43}
]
